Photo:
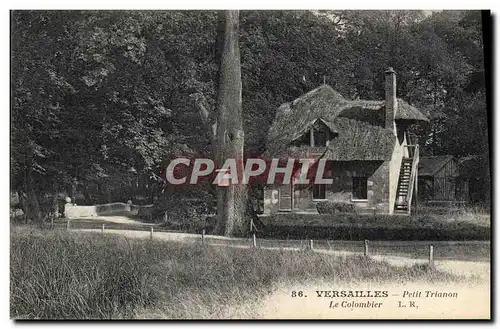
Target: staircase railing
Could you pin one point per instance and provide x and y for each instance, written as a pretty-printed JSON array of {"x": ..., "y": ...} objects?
[
  {"x": 411, "y": 141},
  {"x": 413, "y": 174}
]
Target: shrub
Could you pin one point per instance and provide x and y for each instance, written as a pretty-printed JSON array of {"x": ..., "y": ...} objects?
[
  {"x": 186, "y": 215},
  {"x": 352, "y": 226},
  {"x": 329, "y": 207},
  {"x": 110, "y": 209},
  {"x": 16, "y": 215}
]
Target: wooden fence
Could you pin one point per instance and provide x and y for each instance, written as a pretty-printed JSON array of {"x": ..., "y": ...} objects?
[{"x": 418, "y": 250}]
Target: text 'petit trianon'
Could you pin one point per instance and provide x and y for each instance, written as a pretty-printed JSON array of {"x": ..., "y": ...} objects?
[{"x": 302, "y": 171}]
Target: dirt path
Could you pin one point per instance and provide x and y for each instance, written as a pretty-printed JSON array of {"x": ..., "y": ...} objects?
[
  {"x": 117, "y": 220},
  {"x": 480, "y": 270}
]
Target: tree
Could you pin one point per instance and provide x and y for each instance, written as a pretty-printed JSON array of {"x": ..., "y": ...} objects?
[
  {"x": 227, "y": 129},
  {"x": 101, "y": 98}
]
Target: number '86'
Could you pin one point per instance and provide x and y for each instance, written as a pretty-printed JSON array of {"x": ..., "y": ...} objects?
[{"x": 297, "y": 293}]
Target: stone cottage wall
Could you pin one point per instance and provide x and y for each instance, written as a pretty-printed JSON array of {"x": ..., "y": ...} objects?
[{"x": 341, "y": 189}]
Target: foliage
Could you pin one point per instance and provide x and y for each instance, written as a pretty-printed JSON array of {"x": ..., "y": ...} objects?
[
  {"x": 330, "y": 207},
  {"x": 351, "y": 226},
  {"x": 189, "y": 214},
  {"x": 100, "y": 99}
]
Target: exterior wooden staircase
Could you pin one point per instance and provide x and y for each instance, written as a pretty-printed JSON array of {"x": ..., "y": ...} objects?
[
  {"x": 407, "y": 182},
  {"x": 403, "y": 185}
]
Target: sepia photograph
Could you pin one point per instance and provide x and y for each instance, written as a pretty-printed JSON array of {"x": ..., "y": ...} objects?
[{"x": 250, "y": 164}]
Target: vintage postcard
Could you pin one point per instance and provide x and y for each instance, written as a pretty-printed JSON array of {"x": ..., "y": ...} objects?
[{"x": 253, "y": 164}]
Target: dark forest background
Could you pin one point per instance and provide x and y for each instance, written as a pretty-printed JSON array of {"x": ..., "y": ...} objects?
[{"x": 100, "y": 100}]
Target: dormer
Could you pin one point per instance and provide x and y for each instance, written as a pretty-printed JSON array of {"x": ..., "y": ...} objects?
[{"x": 316, "y": 134}]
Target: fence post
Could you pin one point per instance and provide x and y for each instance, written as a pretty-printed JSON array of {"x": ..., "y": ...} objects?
[
  {"x": 311, "y": 246},
  {"x": 431, "y": 255},
  {"x": 151, "y": 232},
  {"x": 67, "y": 225},
  {"x": 366, "y": 248},
  {"x": 102, "y": 228},
  {"x": 254, "y": 241},
  {"x": 203, "y": 237}
]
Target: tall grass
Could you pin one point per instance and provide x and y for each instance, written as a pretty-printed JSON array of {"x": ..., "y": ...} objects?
[{"x": 60, "y": 275}]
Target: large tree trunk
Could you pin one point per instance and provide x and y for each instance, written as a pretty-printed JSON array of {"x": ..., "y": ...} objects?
[
  {"x": 32, "y": 206},
  {"x": 230, "y": 136}
]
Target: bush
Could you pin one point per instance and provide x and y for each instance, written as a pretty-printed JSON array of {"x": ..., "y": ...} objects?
[
  {"x": 186, "y": 215},
  {"x": 112, "y": 209},
  {"x": 352, "y": 226},
  {"x": 329, "y": 207},
  {"x": 16, "y": 215}
]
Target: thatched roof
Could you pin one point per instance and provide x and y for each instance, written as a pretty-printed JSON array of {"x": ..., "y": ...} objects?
[
  {"x": 357, "y": 125},
  {"x": 430, "y": 165},
  {"x": 407, "y": 112}
]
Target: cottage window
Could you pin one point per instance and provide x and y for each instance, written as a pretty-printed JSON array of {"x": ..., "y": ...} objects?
[
  {"x": 360, "y": 188},
  {"x": 319, "y": 191},
  {"x": 320, "y": 137}
]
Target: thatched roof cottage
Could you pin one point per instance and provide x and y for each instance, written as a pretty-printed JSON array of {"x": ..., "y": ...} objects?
[{"x": 369, "y": 158}]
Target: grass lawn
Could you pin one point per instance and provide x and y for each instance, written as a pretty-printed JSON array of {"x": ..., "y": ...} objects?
[{"x": 61, "y": 275}]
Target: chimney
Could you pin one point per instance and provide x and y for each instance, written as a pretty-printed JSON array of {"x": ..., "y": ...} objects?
[{"x": 391, "y": 104}]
